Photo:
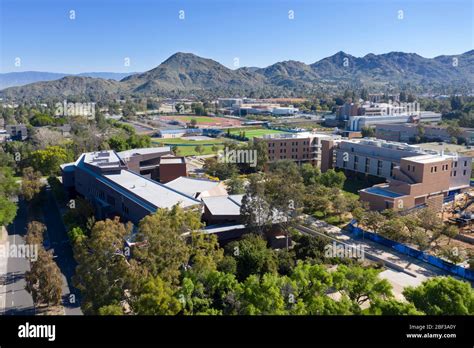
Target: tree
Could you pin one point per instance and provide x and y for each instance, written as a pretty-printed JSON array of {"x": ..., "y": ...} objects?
[
  {"x": 155, "y": 297},
  {"x": 47, "y": 161},
  {"x": 44, "y": 280},
  {"x": 103, "y": 272},
  {"x": 252, "y": 256},
  {"x": 175, "y": 149},
  {"x": 392, "y": 307},
  {"x": 373, "y": 220},
  {"x": 270, "y": 294},
  {"x": 284, "y": 194},
  {"x": 361, "y": 284},
  {"x": 205, "y": 252},
  {"x": 7, "y": 211},
  {"x": 31, "y": 183},
  {"x": 393, "y": 229},
  {"x": 219, "y": 169},
  {"x": 255, "y": 210},
  {"x": 8, "y": 189},
  {"x": 44, "y": 137},
  {"x": 449, "y": 231},
  {"x": 199, "y": 149},
  {"x": 76, "y": 235},
  {"x": 113, "y": 309},
  {"x": 331, "y": 178},
  {"x": 8, "y": 185},
  {"x": 193, "y": 122},
  {"x": 310, "y": 174},
  {"x": 161, "y": 248},
  {"x": 34, "y": 234},
  {"x": 442, "y": 296},
  {"x": 235, "y": 185},
  {"x": 368, "y": 132},
  {"x": 310, "y": 247}
]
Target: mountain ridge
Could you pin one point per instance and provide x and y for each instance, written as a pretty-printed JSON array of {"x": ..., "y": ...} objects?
[{"x": 183, "y": 73}]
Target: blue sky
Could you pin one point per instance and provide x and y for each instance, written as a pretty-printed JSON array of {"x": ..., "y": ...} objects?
[{"x": 257, "y": 32}]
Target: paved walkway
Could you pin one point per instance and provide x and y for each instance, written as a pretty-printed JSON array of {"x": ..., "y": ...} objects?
[
  {"x": 402, "y": 270},
  {"x": 14, "y": 299}
]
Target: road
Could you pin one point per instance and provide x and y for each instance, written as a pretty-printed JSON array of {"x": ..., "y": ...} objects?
[
  {"x": 15, "y": 300},
  {"x": 63, "y": 254}
]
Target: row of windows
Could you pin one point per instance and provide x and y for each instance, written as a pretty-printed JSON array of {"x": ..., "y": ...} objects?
[
  {"x": 455, "y": 164},
  {"x": 96, "y": 192},
  {"x": 454, "y": 173}
]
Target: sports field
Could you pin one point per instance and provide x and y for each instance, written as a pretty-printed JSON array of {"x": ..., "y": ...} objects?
[
  {"x": 204, "y": 121},
  {"x": 251, "y": 133}
]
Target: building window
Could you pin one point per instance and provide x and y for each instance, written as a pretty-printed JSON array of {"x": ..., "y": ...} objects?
[
  {"x": 464, "y": 172},
  {"x": 465, "y": 163},
  {"x": 454, "y": 173},
  {"x": 409, "y": 167}
]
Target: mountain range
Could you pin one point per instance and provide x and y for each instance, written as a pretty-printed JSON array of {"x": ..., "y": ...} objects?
[
  {"x": 13, "y": 79},
  {"x": 188, "y": 74}
]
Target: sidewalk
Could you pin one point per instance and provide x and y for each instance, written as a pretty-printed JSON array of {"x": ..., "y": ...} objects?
[
  {"x": 3, "y": 270},
  {"x": 402, "y": 270}
]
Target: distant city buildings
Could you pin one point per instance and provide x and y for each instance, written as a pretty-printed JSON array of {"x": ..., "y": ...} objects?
[
  {"x": 368, "y": 114},
  {"x": 246, "y": 106},
  {"x": 407, "y": 132},
  {"x": 17, "y": 131}
]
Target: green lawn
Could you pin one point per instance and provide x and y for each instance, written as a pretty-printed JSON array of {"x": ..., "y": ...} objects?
[
  {"x": 251, "y": 133},
  {"x": 186, "y": 147}
]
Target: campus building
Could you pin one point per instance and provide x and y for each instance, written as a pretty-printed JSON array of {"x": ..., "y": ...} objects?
[
  {"x": 17, "y": 131},
  {"x": 104, "y": 179},
  {"x": 356, "y": 123},
  {"x": 298, "y": 147},
  {"x": 407, "y": 132},
  {"x": 372, "y": 156},
  {"x": 415, "y": 176},
  {"x": 423, "y": 180}
]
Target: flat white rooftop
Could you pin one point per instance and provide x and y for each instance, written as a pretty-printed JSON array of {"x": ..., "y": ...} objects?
[
  {"x": 224, "y": 205},
  {"x": 300, "y": 135},
  {"x": 429, "y": 158},
  {"x": 176, "y": 160},
  {"x": 157, "y": 194},
  {"x": 191, "y": 186},
  {"x": 143, "y": 151},
  {"x": 102, "y": 159}
]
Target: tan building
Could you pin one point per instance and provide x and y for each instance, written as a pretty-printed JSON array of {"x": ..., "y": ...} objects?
[
  {"x": 301, "y": 148},
  {"x": 420, "y": 180}
]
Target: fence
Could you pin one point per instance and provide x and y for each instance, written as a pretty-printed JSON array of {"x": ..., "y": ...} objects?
[{"x": 420, "y": 255}]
